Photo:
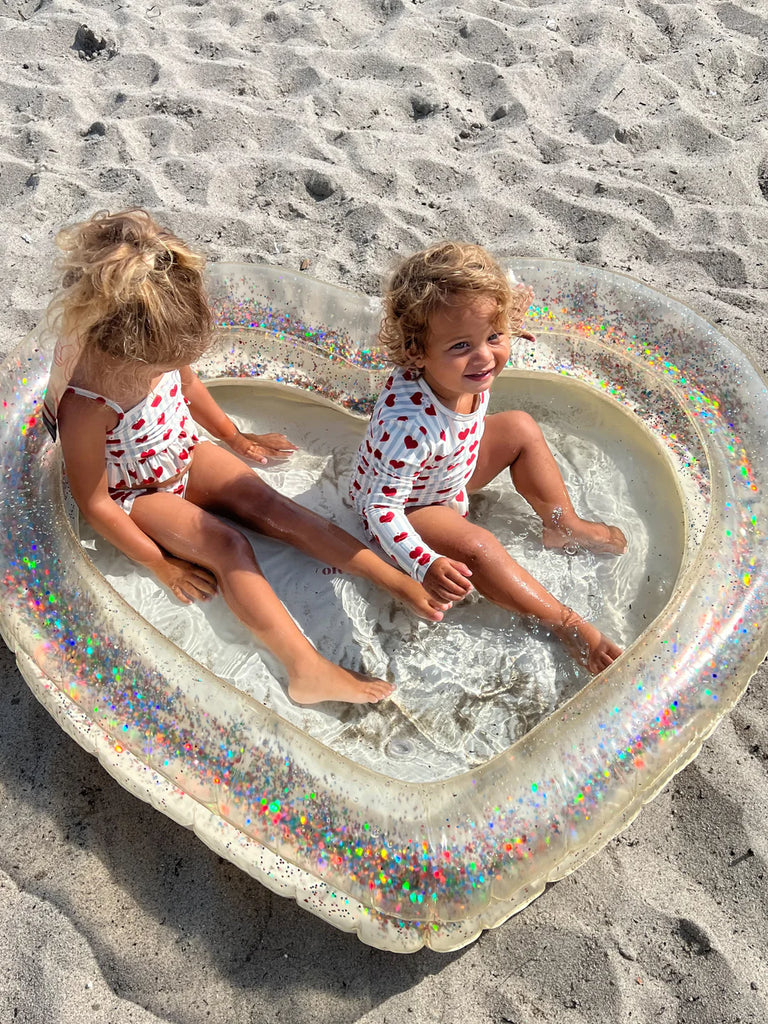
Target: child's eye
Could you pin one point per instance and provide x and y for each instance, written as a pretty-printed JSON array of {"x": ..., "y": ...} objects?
[
  {"x": 494, "y": 337},
  {"x": 459, "y": 345}
]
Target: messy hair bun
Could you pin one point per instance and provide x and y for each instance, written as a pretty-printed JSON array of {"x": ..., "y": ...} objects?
[{"x": 132, "y": 290}]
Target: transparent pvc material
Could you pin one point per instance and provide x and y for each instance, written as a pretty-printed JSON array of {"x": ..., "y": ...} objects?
[{"x": 404, "y": 864}]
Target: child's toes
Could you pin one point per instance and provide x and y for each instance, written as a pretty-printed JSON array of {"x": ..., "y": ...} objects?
[
  {"x": 379, "y": 690},
  {"x": 618, "y": 541}
]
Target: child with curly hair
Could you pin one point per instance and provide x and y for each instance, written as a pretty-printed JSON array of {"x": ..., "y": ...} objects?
[{"x": 448, "y": 316}]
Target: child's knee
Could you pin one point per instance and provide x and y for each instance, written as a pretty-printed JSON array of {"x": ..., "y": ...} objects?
[
  {"x": 230, "y": 547},
  {"x": 524, "y": 427},
  {"x": 477, "y": 547}
]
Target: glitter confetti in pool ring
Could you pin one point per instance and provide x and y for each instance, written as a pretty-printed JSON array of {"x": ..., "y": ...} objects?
[{"x": 406, "y": 864}]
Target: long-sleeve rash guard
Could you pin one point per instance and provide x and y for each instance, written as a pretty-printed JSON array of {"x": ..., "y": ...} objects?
[{"x": 416, "y": 452}]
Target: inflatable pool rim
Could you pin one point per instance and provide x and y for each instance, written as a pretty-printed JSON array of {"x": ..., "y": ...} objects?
[{"x": 405, "y": 864}]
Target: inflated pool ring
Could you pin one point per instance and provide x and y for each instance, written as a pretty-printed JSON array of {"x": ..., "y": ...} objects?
[{"x": 409, "y": 864}]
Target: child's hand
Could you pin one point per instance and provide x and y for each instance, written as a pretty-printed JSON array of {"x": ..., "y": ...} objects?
[
  {"x": 262, "y": 447},
  {"x": 187, "y": 581},
  {"x": 447, "y": 580}
]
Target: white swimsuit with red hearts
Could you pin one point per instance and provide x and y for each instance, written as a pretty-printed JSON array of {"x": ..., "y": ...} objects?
[
  {"x": 150, "y": 443},
  {"x": 416, "y": 452}
]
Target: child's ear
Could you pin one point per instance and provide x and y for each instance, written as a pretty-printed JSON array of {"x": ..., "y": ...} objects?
[{"x": 414, "y": 357}]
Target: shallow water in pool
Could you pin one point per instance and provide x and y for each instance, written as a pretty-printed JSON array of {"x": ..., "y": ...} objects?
[{"x": 468, "y": 687}]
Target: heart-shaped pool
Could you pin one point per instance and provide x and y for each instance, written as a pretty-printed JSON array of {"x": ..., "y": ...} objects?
[{"x": 497, "y": 767}]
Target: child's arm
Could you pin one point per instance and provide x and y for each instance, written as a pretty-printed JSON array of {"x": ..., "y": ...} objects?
[
  {"x": 82, "y": 428},
  {"x": 443, "y": 578},
  {"x": 397, "y": 452},
  {"x": 206, "y": 411}
]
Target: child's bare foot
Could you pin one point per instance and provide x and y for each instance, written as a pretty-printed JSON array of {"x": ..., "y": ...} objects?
[
  {"x": 412, "y": 593},
  {"x": 571, "y": 534},
  {"x": 326, "y": 681},
  {"x": 585, "y": 643}
]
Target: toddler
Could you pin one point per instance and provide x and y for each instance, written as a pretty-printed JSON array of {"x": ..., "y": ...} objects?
[
  {"x": 448, "y": 316},
  {"x": 131, "y": 316}
]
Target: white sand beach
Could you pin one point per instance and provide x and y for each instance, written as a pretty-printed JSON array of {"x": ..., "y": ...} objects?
[{"x": 333, "y": 137}]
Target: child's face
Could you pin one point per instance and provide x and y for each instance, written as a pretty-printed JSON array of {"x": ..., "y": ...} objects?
[{"x": 465, "y": 352}]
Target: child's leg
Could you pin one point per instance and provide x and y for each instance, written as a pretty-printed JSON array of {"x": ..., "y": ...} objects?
[
  {"x": 515, "y": 440},
  {"x": 190, "y": 533},
  {"x": 222, "y": 483},
  {"x": 497, "y": 576}
]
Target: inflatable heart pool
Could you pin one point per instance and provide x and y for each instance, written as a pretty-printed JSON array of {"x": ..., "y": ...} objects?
[{"x": 412, "y": 863}]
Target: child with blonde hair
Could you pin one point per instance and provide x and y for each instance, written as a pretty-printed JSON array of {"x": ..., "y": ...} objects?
[
  {"x": 131, "y": 316},
  {"x": 448, "y": 316}
]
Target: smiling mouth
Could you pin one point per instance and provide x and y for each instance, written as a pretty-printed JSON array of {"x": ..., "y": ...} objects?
[{"x": 481, "y": 375}]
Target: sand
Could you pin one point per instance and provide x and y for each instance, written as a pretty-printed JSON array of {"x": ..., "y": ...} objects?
[{"x": 333, "y": 137}]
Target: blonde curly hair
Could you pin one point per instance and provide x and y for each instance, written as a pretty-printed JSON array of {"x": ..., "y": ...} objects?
[
  {"x": 131, "y": 290},
  {"x": 447, "y": 274}
]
